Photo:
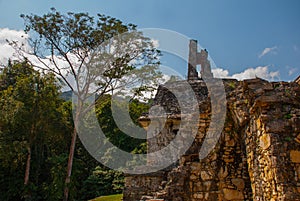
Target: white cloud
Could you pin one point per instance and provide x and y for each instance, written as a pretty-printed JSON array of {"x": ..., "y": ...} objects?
[
  {"x": 260, "y": 71},
  {"x": 8, "y": 34},
  {"x": 220, "y": 73},
  {"x": 6, "y": 50},
  {"x": 250, "y": 73},
  {"x": 268, "y": 50}
]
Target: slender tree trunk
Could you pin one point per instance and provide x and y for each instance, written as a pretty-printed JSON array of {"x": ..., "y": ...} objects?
[
  {"x": 70, "y": 165},
  {"x": 27, "y": 170},
  {"x": 28, "y": 162},
  {"x": 71, "y": 154}
]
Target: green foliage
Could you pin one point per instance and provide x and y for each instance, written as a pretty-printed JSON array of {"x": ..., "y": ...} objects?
[
  {"x": 141, "y": 149},
  {"x": 109, "y": 127},
  {"x": 32, "y": 101},
  {"x": 57, "y": 173},
  {"x": 11, "y": 183},
  {"x": 30, "y": 122},
  {"x": 102, "y": 181},
  {"x": 288, "y": 116},
  {"x": 35, "y": 122},
  {"x": 288, "y": 139},
  {"x": 231, "y": 85}
]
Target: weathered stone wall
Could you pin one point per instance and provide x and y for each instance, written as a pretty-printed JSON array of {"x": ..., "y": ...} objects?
[
  {"x": 140, "y": 187},
  {"x": 256, "y": 158},
  {"x": 297, "y": 80},
  {"x": 272, "y": 148}
]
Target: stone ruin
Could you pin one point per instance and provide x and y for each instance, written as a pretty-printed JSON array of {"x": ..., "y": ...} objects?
[
  {"x": 257, "y": 156},
  {"x": 297, "y": 80},
  {"x": 196, "y": 58}
]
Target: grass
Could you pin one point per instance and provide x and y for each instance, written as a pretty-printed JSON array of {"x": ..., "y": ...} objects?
[{"x": 117, "y": 197}]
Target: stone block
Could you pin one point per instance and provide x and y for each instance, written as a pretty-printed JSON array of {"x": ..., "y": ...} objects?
[
  {"x": 193, "y": 177},
  {"x": 223, "y": 173},
  {"x": 207, "y": 185},
  {"x": 295, "y": 156},
  {"x": 198, "y": 196},
  {"x": 297, "y": 139},
  {"x": 265, "y": 141},
  {"x": 231, "y": 194},
  {"x": 205, "y": 176},
  {"x": 229, "y": 160},
  {"x": 276, "y": 126},
  {"x": 239, "y": 183},
  {"x": 258, "y": 123}
]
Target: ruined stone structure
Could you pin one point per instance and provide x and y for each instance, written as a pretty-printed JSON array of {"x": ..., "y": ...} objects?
[
  {"x": 257, "y": 156},
  {"x": 196, "y": 58},
  {"x": 297, "y": 80}
]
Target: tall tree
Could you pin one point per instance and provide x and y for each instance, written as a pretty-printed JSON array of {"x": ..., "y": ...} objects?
[
  {"x": 29, "y": 118},
  {"x": 90, "y": 55}
]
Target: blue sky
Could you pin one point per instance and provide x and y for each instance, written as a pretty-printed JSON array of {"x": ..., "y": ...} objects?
[{"x": 239, "y": 35}]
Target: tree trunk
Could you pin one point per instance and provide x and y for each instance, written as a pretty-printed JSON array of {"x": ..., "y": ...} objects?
[
  {"x": 28, "y": 162},
  {"x": 27, "y": 170},
  {"x": 70, "y": 165},
  {"x": 72, "y": 151}
]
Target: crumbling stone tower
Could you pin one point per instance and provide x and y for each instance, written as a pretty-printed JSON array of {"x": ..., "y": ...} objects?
[
  {"x": 257, "y": 156},
  {"x": 196, "y": 58}
]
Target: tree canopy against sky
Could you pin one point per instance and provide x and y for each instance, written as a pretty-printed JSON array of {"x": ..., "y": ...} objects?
[{"x": 91, "y": 56}]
